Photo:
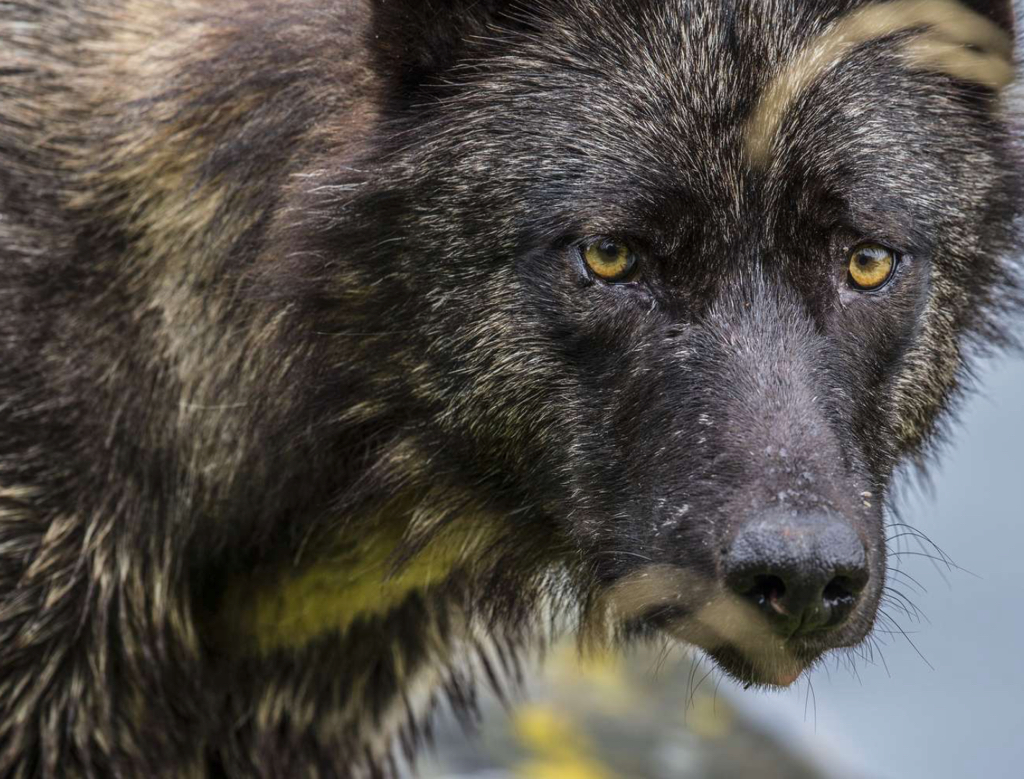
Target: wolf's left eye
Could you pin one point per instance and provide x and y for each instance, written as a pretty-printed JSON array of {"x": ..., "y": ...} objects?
[
  {"x": 610, "y": 260},
  {"x": 871, "y": 266}
]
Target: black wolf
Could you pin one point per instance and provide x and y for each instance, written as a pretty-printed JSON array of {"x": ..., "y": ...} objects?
[{"x": 343, "y": 342}]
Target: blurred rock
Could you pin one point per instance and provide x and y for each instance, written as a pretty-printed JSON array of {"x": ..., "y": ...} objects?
[{"x": 641, "y": 716}]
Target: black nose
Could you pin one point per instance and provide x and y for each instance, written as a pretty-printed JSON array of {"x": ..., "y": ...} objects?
[{"x": 802, "y": 572}]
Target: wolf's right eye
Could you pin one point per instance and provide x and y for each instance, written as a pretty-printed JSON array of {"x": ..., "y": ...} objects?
[
  {"x": 610, "y": 260},
  {"x": 871, "y": 267}
]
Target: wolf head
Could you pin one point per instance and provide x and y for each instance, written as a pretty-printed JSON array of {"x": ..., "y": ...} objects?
[{"x": 677, "y": 286}]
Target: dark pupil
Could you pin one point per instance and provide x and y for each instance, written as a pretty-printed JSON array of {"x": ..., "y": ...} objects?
[
  {"x": 868, "y": 257},
  {"x": 609, "y": 251}
]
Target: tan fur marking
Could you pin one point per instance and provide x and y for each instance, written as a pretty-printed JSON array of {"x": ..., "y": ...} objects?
[
  {"x": 18, "y": 493},
  {"x": 715, "y": 618},
  {"x": 954, "y": 40},
  {"x": 930, "y": 369}
]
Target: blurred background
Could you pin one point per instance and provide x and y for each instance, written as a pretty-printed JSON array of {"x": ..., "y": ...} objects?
[{"x": 946, "y": 700}]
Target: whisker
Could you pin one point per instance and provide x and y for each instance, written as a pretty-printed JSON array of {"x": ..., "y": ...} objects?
[
  {"x": 714, "y": 699},
  {"x": 950, "y": 565},
  {"x": 693, "y": 695},
  {"x": 623, "y": 552},
  {"x": 908, "y": 604},
  {"x": 890, "y": 620},
  {"x": 814, "y": 697},
  {"x": 881, "y": 655},
  {"x": 920, "y": 588},
  {"x": 694, "y": 664}
]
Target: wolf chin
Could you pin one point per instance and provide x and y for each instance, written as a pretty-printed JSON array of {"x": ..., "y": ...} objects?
[{"x": 343, "y": 343}]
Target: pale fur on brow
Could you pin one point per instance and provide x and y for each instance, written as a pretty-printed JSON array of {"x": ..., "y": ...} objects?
[{"x": 953, "y": 39}]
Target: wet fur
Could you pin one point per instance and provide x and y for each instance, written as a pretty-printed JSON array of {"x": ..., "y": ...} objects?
[{"x": 278, "y": 280}]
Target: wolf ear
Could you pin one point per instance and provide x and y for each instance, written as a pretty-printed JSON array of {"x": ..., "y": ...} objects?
[
  {"x": 1002, "y": 12},
  {"x": 413, "y": 40}
]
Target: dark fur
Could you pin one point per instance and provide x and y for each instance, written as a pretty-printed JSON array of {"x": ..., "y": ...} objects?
[{"x": 272, "y": 274}]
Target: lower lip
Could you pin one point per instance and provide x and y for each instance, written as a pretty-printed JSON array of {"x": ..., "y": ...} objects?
[
  {"x": 767, "y": 661},
  {"x": 763, "y": 671},
  {"x": 785, "y": 680}
]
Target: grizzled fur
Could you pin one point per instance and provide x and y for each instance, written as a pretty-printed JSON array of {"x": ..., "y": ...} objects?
[{"x": 277, "y": 278}]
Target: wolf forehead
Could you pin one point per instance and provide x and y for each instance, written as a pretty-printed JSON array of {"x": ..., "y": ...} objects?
[{"x": 701, "y": 97}]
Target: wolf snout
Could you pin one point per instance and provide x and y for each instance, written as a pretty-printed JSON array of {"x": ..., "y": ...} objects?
[{"x": 801, "y": 572}]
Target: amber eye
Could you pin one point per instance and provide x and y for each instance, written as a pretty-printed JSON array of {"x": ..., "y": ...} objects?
[
  {"x": 871, "y": 266},
  {"x": 609, "y": 259}
]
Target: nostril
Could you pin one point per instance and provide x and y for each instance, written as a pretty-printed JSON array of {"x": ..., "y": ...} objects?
[
  {"x": 840, "y": 597},
  {"x": 841, "y": 588},
  {"x": 767, "y": 592}
]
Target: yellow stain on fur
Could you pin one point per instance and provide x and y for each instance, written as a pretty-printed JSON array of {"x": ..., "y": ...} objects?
[{"x": 287, "y": 608}]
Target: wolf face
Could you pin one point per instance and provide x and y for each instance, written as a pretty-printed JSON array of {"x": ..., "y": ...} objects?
[
  {"x": 339, "y": 341},
  {"x": 701, "y": 275}
]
